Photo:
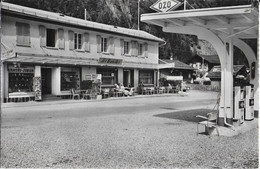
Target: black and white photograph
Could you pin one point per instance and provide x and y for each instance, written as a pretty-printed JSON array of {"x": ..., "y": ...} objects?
[{"x": 129, "y": 84}]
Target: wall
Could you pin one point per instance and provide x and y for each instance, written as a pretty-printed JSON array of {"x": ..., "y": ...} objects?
[
  {"x": 9, "y": 39},
  {"x": 55, "y": 80},
  {"x": 87, "y": 70}
]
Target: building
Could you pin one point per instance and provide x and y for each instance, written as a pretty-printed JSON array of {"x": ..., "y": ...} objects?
[
  {"x": 170, "y": 67},
  {"x": 240, "y": 75},
  {"x": 63, "y": 51},
  {"x": 204, "y": 63}
]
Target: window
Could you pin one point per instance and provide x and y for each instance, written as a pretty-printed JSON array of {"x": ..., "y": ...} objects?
[
  {"x": 77, "y": 41},
  {"x": 126, "y": 47},
  {"x": 23, "y": 33},
  {"x": 20, "y": 79},
  {"x": 103, "y": 44},
  {"x": 140, "y": 49},
  {"x": 109, "y": 76},
  {"x": 51, "y": 38},
  {"x": 69, "y": 78},
  {"x": 146, "y": 77}
]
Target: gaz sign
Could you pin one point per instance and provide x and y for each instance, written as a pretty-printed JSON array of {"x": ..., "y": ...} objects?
[{"x": 165, "y": 5}]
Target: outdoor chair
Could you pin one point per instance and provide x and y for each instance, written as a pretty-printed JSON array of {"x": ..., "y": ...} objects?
[
  {"x": 210, "y": 123},
  {"x": 161, "y": 90},
  {"x": 118, "y": 93},
  {"x": 105, "y": 93},
  {"x": 150, "y": 90},
  {"x": 74, "y": 94},
  {"x": 87, "y": 94}
]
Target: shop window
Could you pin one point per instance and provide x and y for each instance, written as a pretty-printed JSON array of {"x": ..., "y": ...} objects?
[
  {"x": 69, "y": 79},
  {"x": 108, "y": 76},
  {"x": 77, "y": 41},
  {"x": 51, "y": 38},
  {"x": 103, "y": 44},
  {"x": 126, "y": 47},
  {"x": 146, "y": 77},
  {"x": 22, "y": 34},
  {"x": 20, "y": 79}
]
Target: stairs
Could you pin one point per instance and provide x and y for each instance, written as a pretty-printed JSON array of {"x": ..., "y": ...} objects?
[{"x": 50, "y": 97}]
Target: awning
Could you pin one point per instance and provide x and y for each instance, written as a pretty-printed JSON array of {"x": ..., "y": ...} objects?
[{"x": 71, "y": 61}]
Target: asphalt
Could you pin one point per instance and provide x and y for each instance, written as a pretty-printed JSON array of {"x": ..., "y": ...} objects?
[{"x": 165, "y": 137}]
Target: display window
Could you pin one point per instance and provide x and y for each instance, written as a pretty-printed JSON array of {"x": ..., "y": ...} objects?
[
  {"x": 109, "y": 76},
  {"x": 70, "y": 79},
  {"x": 146, "y": 76},
  {"x": 20, "y": 79}
]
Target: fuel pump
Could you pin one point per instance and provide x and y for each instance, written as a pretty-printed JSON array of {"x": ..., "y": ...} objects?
[
  {"x": 249, "y": 103},
  {"x": 239, "y": 104}
]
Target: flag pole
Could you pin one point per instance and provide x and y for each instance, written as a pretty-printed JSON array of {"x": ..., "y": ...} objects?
[{"x": 138, "y": 15}]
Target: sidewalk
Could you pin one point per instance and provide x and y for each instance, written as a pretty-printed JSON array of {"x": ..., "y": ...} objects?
[{"x": 190, "y": 94}]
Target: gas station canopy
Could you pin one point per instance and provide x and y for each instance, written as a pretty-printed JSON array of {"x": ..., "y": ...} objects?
[
  {"x": 243, "y": 19},
  {"x": 219, "y": 26}
]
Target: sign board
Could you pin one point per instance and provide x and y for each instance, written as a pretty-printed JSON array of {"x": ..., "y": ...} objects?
[
  {"x": 93, "y": 77},
  {"x": 174, "y": 77},
  {"x": 165, "y": 5},
  {"x": 110, "y": 61}
]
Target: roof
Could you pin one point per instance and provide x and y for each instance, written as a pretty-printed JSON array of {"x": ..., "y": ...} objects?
[
  {"x": 60, "y": 18},
  {"x": 243, "y": 19},
  {"x": 215, "y": 72},
  {"x": 176, "y": 64},
  {"x": 209, "y": 58}
]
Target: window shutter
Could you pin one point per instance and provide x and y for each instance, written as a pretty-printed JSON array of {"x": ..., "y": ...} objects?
[
  {"x": 132, "y": 48},
  {"x": 136, "y": 49},
  {"x": 111, "y": 45},
  {"x": 61, "y": 38},
  {"x": 98, "y": 43},
  {"x": 122, "y": 46},
  {"x": 146, "y": 50},
  {"x": 26, "y": 34},
  {"x": 87, "y": 43},
  {"x": 19, "y": 33},
  {"x": 71, "y": 40},
  {"x": 42, "y": 31}
]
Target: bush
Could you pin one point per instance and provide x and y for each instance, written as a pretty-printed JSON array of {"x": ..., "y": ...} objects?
[{"x": 207, "y": 83}]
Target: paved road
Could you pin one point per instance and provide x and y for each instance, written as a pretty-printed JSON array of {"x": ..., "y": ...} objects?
[
  {"x": 18, "y": 114},
  {"x": 148, "y": 132}
]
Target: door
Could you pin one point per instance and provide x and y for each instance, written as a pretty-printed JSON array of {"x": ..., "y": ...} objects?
[
  {"x": 46, "y": 80},
  {"x": 128, "y": 78}
]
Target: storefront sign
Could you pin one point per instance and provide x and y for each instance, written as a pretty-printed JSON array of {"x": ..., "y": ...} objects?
[
  {"x": 110, "y": 61},
  {"x": 93, "y": 77},
  {"x": 165, "y": 5},
  {"x": 20, "y": 70},
  {"x": 174, "y": 77}
]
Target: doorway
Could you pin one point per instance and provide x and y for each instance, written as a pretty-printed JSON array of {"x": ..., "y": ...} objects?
[
  {"x": 128, "y": 78},
  {"x": 46, "y": 80}
]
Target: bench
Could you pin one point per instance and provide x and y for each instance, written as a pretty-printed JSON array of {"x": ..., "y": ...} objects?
[{"x": 20, "y": 97}]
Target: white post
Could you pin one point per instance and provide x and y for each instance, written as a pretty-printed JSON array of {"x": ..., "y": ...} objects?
[
  {"x": 185, "y": 4},
  {"x": 85, "y": 14}
]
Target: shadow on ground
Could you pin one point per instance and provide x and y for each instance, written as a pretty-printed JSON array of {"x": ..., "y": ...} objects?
[{"x": 187, "y": 115}]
